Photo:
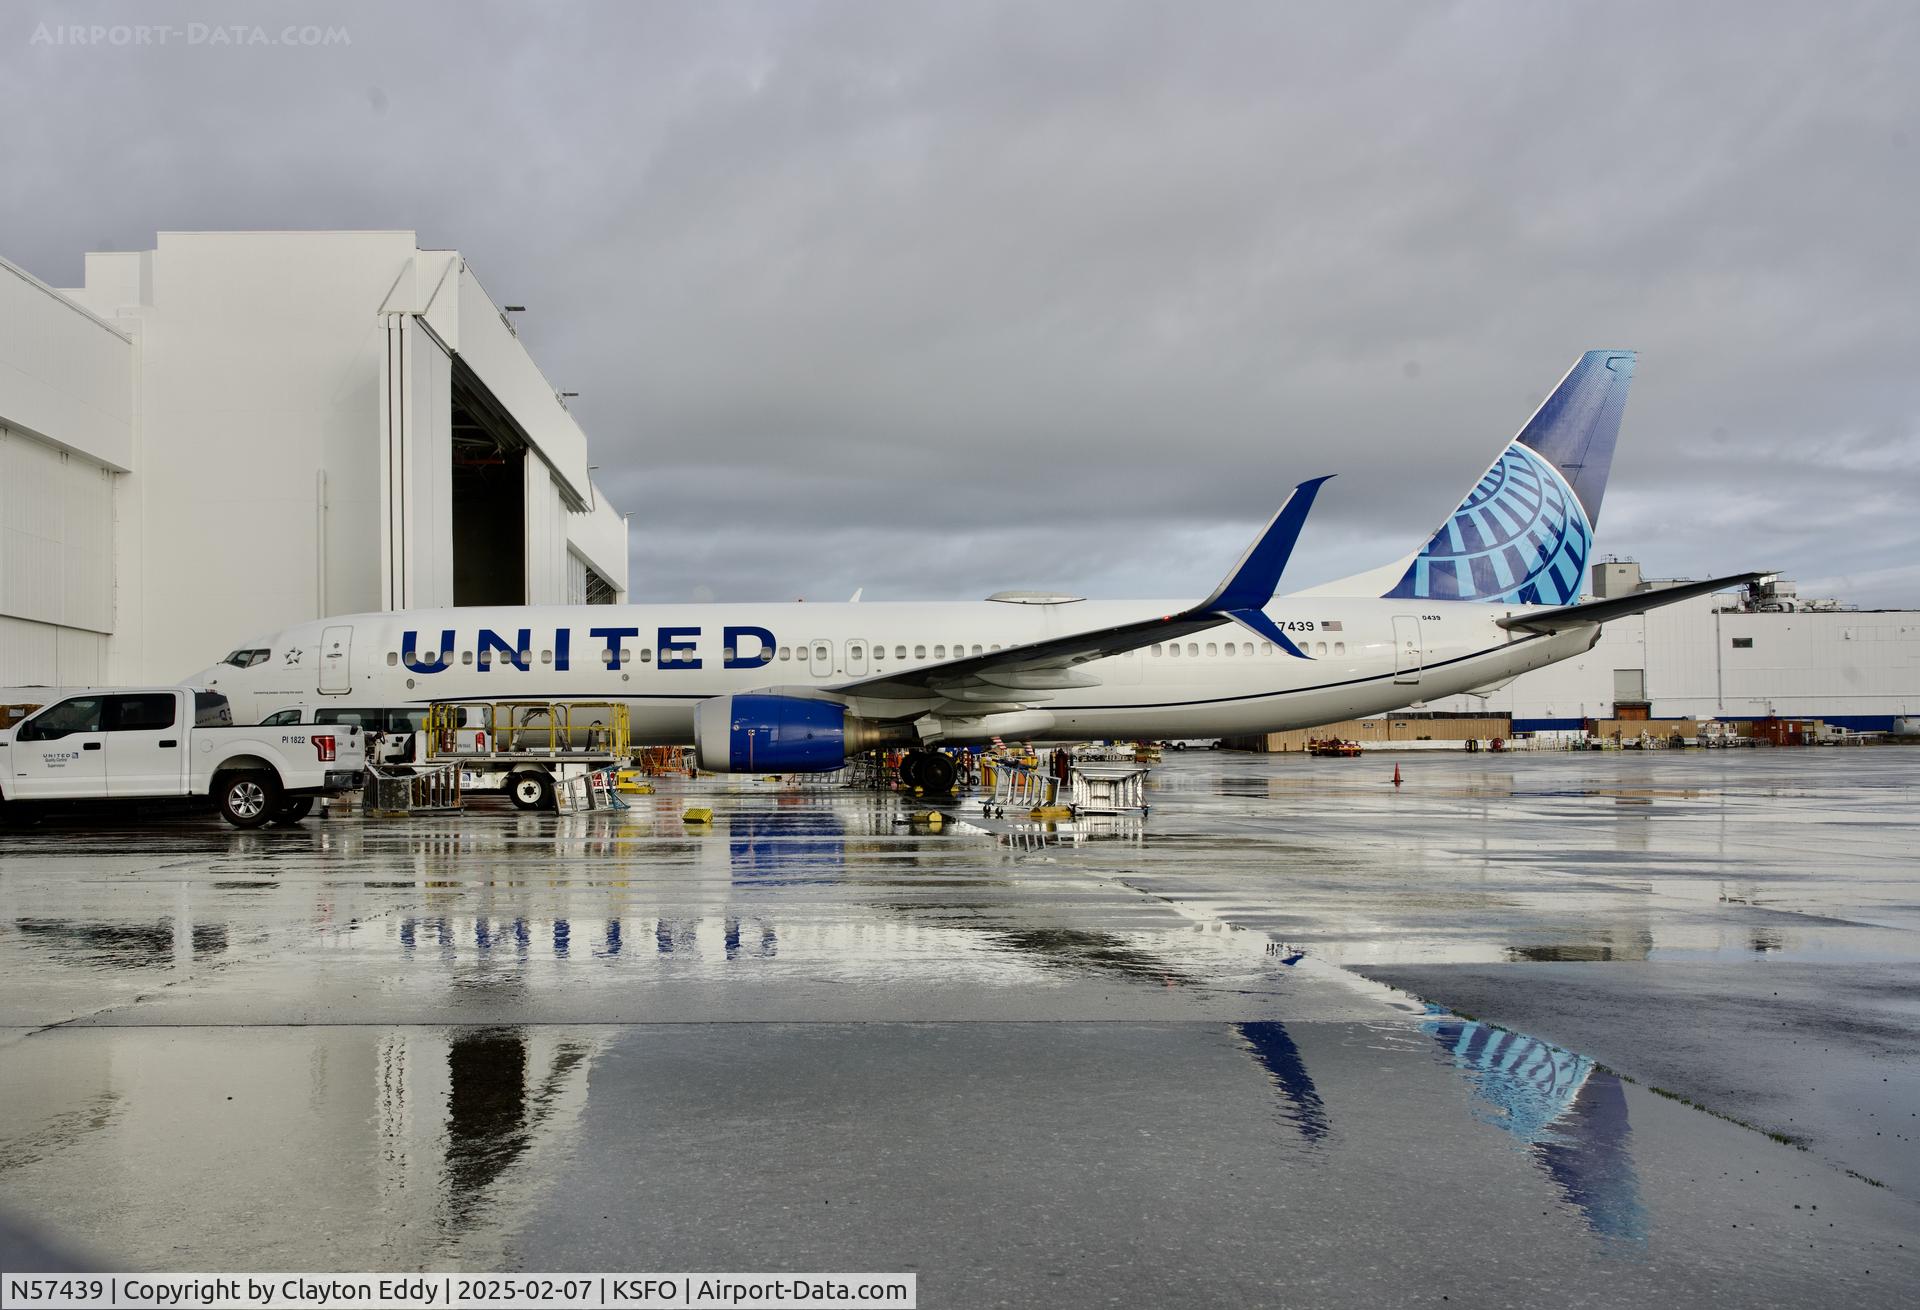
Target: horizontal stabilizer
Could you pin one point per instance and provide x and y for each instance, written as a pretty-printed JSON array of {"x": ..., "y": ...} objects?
[{"x": 1619, "y": 607}]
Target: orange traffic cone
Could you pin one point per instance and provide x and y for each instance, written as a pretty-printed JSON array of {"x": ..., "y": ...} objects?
[{"x": 1396, "y": 773}]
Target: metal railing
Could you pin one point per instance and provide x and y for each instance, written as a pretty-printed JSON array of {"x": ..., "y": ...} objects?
[
  {"x": 527, "y": 729},
  {"x": 1017, "y": 787},
  {"x": 590, "y": 789},
  {"x": 394, "y": 792}
]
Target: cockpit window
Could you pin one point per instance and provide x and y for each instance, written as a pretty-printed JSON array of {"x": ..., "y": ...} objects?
[{"x": 246, "y": 659}]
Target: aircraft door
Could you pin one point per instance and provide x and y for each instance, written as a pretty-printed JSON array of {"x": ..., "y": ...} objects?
[
  {"x": 1408, "y": 655},
  {"x": 856, "y": 658},
  {"x": 336, "y": 660},
  {"x": 821, "y": 665},
  {"x": 61, "y": 751},
  {"x": 145, "y": 745}
]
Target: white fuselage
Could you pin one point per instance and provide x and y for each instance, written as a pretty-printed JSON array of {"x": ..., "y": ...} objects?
[{"x": 1368, "y": 656}]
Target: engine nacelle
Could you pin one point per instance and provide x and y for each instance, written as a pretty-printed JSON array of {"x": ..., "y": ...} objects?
[{"x": 781, "y": 734}]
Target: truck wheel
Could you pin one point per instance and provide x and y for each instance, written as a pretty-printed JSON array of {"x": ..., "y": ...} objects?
[
  {"x": 531, "y": 790},
  {"x": 293, "y": 809},
  {"x": 247, "y": 800}
]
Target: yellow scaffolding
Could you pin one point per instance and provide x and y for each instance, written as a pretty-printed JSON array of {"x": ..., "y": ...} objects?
[{"x": 527, "y": 730}]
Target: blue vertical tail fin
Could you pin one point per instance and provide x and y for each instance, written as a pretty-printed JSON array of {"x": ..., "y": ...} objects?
[{"x": 1524, "y": 533}]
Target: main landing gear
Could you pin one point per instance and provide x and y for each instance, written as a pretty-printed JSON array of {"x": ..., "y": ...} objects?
[{"x": 928, "y": 772}]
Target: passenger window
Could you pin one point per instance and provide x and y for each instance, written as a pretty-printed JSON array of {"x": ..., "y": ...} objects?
[
  {"x": 646, "y": 654},
  {"x": 1228, "y": 649},
  {"x": 1173, "y": 650},
  {"x": 626, "y": 654},
  {"x": 1156, "y": 652},
  {"x": 899, "y": 652},
  {"x": 995, "y": 646},
  {"x": 466, "y": 657},
  {"x": 606, "y": 656},
  {"x": 939, "y": 652},
  {"x": 857, "y": 652},
  {"x": 144, "y": 712},
  {"x": 393, "y": 658},
  {"x": 526, "y": 657},
  {"x": 786, "y": 652},
  {"x": 1319, "y": 648},
  {"x": 976, "y": 650},
  {"x": 1246, "y": 648},
  {"x": 81, "y": 714},
  {"x": 546, "y": 657},
  {"x": 1266, "y": 648},
  {"x": 279, "y": 720},
  {"x": 766, "y": 654},
  {"x": 726, "y": 653},
  {"x": 1212, "y": 649},
  {"x": 919, "y": 652},
  {"x": 1339, "y": 648}
]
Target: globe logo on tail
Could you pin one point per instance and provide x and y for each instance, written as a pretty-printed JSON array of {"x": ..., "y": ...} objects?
[{"x": 1520, "y": 537}]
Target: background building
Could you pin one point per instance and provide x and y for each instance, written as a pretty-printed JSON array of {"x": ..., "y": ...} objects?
[
  {"x": 1748, "y": 655},
  {"x": 238, "y": 431},
  {"x": 1738, "y": 655}
]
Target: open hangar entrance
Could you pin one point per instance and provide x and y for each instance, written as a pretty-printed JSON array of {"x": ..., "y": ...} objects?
[{"x": 489, "y": 489}]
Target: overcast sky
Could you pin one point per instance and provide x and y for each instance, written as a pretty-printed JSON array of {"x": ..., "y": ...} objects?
[{"x": 938, "y": 299}]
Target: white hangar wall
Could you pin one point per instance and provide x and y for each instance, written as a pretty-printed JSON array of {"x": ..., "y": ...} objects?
[
  {"x": 233, "y": 432},
  {"x": 66, "y": 432}
]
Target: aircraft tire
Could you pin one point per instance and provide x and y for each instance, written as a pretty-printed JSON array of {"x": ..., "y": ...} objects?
[
  {"x": 936, "y": 773},
  {"x": 909, "y": 770}
]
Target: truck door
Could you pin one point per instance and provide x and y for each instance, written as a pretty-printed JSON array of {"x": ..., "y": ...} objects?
[
  {"x": 821, "y": 665},
  {"x": 1408, "y": 657},
  {"x": 336, "y": 660},
  {"x": 61, "y": 752},
  {"x": 146, "y": 744}
]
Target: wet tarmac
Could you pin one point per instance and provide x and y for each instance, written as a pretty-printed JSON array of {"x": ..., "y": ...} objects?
[{"x": 1301, "y": 1038}]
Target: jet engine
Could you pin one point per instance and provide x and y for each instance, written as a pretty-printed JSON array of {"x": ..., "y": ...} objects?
[{"x": 784, "y": 734}]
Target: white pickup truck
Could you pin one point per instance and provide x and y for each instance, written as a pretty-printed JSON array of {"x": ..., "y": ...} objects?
[{"x": 127, "y": 744}]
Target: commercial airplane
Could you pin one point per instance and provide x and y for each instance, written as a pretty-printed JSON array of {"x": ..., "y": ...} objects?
[{"x": 797, "y": 687}]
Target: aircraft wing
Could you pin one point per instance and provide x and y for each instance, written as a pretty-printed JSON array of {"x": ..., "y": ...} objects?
[
  {"x": 1619, "y": 607},
  {"x": 1021, "y": 675}
]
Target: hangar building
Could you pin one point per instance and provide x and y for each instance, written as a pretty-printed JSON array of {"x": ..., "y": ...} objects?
[{"x": 238, "y": 431}]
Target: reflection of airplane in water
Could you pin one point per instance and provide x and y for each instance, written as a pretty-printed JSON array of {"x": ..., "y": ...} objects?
[
  {"x": 1273, "y": 1047},
  {"x": 1571, "y": 1114}
]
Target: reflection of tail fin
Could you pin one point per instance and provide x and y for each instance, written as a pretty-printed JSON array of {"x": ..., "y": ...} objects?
[{"x": 1523, "y": 534}]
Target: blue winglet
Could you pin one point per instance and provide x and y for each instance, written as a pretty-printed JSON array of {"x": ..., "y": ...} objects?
[
  {"x": 1259, "y": 623},
  {"x": 1253, "y": 580}
]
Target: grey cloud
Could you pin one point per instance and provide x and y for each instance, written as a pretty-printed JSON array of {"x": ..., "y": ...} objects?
[{"x": 941, "y": 298}]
